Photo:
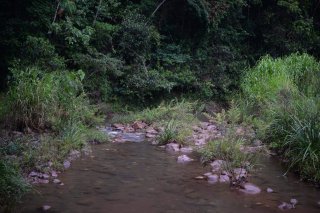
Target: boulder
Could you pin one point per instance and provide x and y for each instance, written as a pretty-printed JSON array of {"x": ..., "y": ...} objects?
[
  {"x": 151, "y": 130},
  {"x": 118, "y": 126}
]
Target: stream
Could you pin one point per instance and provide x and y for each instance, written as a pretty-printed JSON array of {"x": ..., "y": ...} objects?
[{"x": 138, "y": 177}]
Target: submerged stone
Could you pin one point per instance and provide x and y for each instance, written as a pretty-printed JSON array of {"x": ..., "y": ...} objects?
[
  {"x": 172, "y": 147},
  {"x": 250, "y": 188},
  {"x": 184, "y": 159}
]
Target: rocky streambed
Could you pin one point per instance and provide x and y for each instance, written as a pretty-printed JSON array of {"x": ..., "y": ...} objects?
[{"x": 131, "y": 174}]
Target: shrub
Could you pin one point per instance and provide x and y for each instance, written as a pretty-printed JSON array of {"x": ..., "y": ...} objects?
[
  {"x": 41, "y": 100},
  {"x": 282, "y": 101},
  {"x": 12, "y": 185}
]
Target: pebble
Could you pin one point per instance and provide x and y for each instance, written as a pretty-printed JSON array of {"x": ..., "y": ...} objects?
[
  {"x": 269, "y": 190},
  {"x": 56, "y": 181},
  {"x": 184, "y": 159},
  {"x": 66, "y": 164},
  {"x": 46, "y": 207},
  {"x": 200, "y": 177}
]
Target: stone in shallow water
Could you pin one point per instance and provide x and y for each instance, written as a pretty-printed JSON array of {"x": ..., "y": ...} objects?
[
  {"x": 250, "y": 188},
  {"x": 269, "y": 190},
  {"x": 224, "y": 179},
  {"x": 46, "y": 207},
  {"x": 186, "y": 149},
  {"x": 184, "y": 159},
  {"x": 213, "y": 179},
  {"x": 54, "y": 174},
  {"x": 56, "y": 181},
  {"x": 200, "y": 177},
  {"x": 172, "y": 147},
  {"x": 285, "y": 206}
]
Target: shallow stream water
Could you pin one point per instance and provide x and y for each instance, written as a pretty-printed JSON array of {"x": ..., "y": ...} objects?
[{"x": 141, "y": 178}]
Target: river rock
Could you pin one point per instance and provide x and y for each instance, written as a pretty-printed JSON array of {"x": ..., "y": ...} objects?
[
  {"x": 293, "y": 201},
  {"x": 213, "y": 178},
  {"x": 139, "y": 125},
  {"x": 46, "y": 207},
  {"x": 269, "y": 190},
  {"x": 45, "y": 176},
  {"x": 34, "y": 174},
  {"x": 42, "y": 181},
  {"x": 200, "y": 177},
  {"x": 118, "y": 126},
  {"x": 250, "y": 188},
  {"x": 54, "y": 174},
  {"x": 56, "y": 181},
  {"x": 151, "y": 130},
  {"x": 224, "y": 179},
  {"x": 186, "y": 149},
  {"x": 184, "y": 159},
  {"x": 285, "y": 206},
  {"x": 217, "y": 165},
  {"x": 240, "y": 173},
  {"x": 74, "y": 154},
  {"x": 172, "y": 147},
  {"x": 149, "y": 135},
  {"x": 66, "y": 164}
]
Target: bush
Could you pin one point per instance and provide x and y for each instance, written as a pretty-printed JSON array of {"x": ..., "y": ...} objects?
[
  {"x": 12, "y": 185},
  {"x": 282, "y": 95},
  {"x": 45, "y": 100}
]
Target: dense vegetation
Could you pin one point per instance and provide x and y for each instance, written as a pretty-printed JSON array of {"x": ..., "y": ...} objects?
[{"x": 59, "y": 57}]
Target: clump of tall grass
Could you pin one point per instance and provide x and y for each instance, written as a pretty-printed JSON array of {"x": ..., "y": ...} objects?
[
  {"x": 281, "y": 98},
  {"x": 12, "y": 185}
]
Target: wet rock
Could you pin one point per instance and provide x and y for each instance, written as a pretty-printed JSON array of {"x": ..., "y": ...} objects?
[
  {"x": 186, "y": 149},
  {"x": 200, "y": 177},
  {"x": 45, "y": 176},
  {"x": 42, "y": 181},
  {"x": 74, "y": 154},
  {"x": 293, "y": 201},
  {"x": 207, "y": 174},
  {"x": 184, "y": 159},
  {"x": 46, "y": 207},
  {"x": 56, "y": 181},
  {"x": 224, "y": 179},
  {"x": 217, "y": 165},
  {"x": 285, "y": 206},
  {"x": 151, "y": 130},
  {"x": 118, "y": 126},
  {"x": 172, "y": 147},
  {"x": 139, "y": 125},
  {"x": 240, "y": 173},
  {"x": 54, "y": 174},
  {"x": 269, "y": 190},
  {"x": 155, "y": 143},
  {"x": 250, "y": 188},
  {"x": 213, "y": 178},
  {"x": 149, "y": 135},
  {"x": 34, "y": 174},
  {"x": 66, "y": 164}
]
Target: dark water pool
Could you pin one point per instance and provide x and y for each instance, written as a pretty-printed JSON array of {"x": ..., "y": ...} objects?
[{"x": 138, "y": 177}]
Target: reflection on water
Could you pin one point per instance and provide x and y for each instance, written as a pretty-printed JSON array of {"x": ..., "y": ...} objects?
[{"x": 137, "y": 177}]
